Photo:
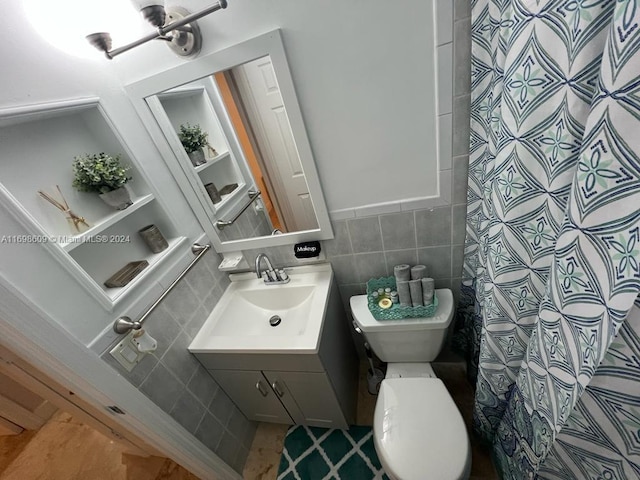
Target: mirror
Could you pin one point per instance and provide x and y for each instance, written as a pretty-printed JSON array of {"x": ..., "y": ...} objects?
[{"x": 252, "y": 182}]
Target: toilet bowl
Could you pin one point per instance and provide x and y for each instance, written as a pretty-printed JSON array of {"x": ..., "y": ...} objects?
[{"x": 418, "y": 431}]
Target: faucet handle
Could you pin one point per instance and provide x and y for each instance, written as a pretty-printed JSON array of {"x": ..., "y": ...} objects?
[{"x": 273, "y": 275}]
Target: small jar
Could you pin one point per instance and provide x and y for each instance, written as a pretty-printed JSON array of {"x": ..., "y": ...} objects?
[
  {"x": 375, "y": 296},
  {"x": 214, "y": 195},
  {"x": 380, "y": 292},
  {"x": 153, "y": 238},
  {"x": 394, "y": 296},
  {"x": 387, "y": 292}
]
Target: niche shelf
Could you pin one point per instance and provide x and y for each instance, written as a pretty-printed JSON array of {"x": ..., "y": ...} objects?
[
  {"x": 37, "y": 147},
  {"x": 228, "y": 198},
  {"x": 193, "y": 104},
  {"x": 125, "y": 245},
  {"x": 80, "y": 238},
  {"x": 115, "y": 294},
  {"x": 155, "y": 260},
  {"x": 212, "y": 161},
  {"x": 190, "y": 104}
]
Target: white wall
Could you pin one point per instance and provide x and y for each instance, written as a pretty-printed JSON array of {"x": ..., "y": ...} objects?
[
  {"x": 364, "y": 74},
  {"x": 34, "y": 72},
  {"x": 364, "y": 77}
]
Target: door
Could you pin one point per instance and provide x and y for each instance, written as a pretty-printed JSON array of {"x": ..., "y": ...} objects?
[
  {"x": 309, "y": 398},
  {"x": 252, "y": 394},
  {"x": 260, "y": 94},
  {"x": 20, "y": 408},
  {"x": 247, "y": 147},
  {"x": 29, "y": 397}
]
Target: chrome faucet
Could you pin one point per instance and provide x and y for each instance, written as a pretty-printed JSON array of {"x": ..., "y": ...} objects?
[{"x": 271, "y": 276}]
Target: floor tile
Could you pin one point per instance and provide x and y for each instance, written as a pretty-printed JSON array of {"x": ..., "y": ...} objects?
[
  {"x": 11, "y": 446},
  {"x": 266, "y": 449},
  {"x": 66, "y": 449}
]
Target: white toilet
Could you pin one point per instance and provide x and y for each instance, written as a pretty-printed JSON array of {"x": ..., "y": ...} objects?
[{"x": 418, "y": 431}]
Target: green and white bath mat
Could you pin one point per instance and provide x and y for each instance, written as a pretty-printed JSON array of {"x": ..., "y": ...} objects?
[{"x": 312, "y": 453}]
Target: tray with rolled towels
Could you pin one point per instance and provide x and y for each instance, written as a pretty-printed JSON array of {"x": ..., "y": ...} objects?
[{"x": 415, "y": 290}]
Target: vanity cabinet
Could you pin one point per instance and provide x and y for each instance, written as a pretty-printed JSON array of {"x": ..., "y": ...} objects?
[
  {"x": 308, "y": 397},
  {"x": 314, "y": 386},
  {"x": 253, "y": 395},
  {"x": 305, "y": 398}
]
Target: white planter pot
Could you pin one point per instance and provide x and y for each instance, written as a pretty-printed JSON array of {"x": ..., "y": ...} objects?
[
  {"x": 197, "y": 157},
  {"x": 118, "y": 199}
]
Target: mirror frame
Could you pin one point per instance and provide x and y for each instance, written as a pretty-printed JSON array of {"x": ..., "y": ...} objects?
[{"x": 267, "y": 44}]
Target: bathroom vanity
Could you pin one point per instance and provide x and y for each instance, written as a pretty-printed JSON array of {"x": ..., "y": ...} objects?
[{"x": 304, "y": 369}]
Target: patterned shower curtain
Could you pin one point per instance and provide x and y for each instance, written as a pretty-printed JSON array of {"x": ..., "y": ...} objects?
[{"x": 552, "y": 251}]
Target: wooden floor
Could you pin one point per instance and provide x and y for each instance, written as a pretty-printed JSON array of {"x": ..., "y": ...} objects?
[{"x": 64, "y": 449}]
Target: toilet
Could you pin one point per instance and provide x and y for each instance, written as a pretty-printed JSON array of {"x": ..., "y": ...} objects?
[{"x": 418, "y": 431}]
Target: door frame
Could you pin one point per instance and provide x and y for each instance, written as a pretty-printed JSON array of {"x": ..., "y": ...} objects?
[{"x": 40, "y": 341}]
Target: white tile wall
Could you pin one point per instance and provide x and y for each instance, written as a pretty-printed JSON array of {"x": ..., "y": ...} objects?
[
  {"x": 377, "y": 209},
  {"x": 445, "y": 135},
  {"x": 444, "y": 21},
  {"x": 444, "y": 75}
]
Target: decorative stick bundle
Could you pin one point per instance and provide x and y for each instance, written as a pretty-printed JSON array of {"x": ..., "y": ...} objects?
[{"x": 79, "y": 223}]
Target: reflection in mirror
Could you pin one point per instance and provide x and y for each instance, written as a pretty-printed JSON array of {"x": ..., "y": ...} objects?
[
  {"x": 252, "y": 91},
  {"x": 258, "y": 185},
  {"x": 249, "y": 146}
]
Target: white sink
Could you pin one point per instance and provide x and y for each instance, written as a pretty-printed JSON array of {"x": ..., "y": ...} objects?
[{"x": 240, "y": 320}]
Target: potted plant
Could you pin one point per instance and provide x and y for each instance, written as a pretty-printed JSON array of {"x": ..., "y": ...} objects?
[
  {"x": 105, "y": 175},
  {"x": 193, "y": 140}
]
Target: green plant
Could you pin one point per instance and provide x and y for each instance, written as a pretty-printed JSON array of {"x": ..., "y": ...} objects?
[
  {"x": 99, "y": 172},
  {"x": 192, "y": 138}
]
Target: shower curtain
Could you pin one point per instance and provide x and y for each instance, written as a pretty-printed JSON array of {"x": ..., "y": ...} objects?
[{"x": 552, "y": 253}]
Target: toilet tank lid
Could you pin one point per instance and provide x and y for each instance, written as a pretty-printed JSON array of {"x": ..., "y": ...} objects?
[{"x": 440, "y": 320}]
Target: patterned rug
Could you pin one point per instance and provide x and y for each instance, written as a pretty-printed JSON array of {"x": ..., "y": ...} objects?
[{"x": 312, "y": 453}]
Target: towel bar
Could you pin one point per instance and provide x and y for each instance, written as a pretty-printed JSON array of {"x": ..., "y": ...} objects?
[
  {"x": 125, "y": 324},
  {"x": 253, "y": 194}
]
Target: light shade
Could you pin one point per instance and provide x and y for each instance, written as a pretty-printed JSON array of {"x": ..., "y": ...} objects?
[
  {"x": 140, "y": 4},
  {"x": 66, "y": 23}
]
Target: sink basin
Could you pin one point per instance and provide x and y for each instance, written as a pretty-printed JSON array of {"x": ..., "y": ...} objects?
[
  {"x": 240, "y": 322},
  {"x": 291, "y": 296}
]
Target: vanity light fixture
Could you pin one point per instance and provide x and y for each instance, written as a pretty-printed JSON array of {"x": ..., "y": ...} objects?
[{"x": 182, "y": 33}]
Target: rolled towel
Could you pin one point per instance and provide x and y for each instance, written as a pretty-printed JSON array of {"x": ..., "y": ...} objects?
[
  {"x": 404, "y": 293},
  {"x": 415, "y": 287},
  {"x": 418, "y": 272},
  {"x": 402, "y": 273},
  {"x": 428, "y": 289}
]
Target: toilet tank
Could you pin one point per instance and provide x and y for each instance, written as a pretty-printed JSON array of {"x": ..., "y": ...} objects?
[{"x": 407, "y": 340}]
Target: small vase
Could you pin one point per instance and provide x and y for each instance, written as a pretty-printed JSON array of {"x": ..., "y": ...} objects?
[
  {"x": 153, "y": 238},
  {"x": 197, "y": 157},
  {"x": 118, "y": 198},
  {"x": 213, "y": 193}
]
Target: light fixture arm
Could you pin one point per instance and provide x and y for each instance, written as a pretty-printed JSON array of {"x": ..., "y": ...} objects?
[
  {"x": 98, "y": 39},
  {"x": 192, "y": 17}
]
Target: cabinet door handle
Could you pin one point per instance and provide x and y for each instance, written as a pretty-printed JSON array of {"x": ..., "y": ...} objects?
[
  {"x": 263, "y": 391},
  {"x": 278, "y": 389}
]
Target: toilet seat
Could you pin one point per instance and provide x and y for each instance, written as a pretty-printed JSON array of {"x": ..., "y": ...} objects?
[{"x": 419, "y": 433}]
